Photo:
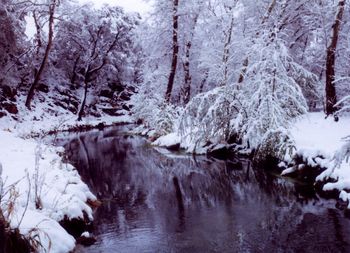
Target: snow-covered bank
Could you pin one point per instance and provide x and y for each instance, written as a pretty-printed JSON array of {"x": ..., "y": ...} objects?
[
  {"x": 39, "y": 190},
  {"x": 41, "y": 121},
  {"x": 316, "y": 142},
  {"x": 321, "y": 142},
  {"x": 316, "y": 135}
]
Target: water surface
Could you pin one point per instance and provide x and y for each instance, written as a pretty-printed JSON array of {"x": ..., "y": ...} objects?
[{"x": 157, "y": 201}]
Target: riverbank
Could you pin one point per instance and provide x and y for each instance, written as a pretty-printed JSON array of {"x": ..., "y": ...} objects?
[
  {"x": 153, "y": 201},
  {"x": 322, "y": 143},
  {"x": 42, "y": 191},
  {"x": 41, "y": 194},
  {"x": 317, "y": 142},
  {"x": 39, "y": 191}
]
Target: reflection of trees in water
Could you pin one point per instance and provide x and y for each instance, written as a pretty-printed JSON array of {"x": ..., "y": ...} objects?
[
  {"x": 116, "y": 165},
  {"x": 261, "y": 211}
]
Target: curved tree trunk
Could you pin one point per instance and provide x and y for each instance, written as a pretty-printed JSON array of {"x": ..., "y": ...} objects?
[
  {"x": 331, "y": 96},
  {"x": 175, "y": 51},
  {"x": 38, "y": 74}
]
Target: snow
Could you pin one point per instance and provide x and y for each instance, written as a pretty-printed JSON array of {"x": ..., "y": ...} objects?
[
  {"x": 313, "y": 134},
  {"x": 320, "y": 141},
  {"x": 41, "y": 120},
  {"x": 131, "y": 5},
  {"x": 30, "y": 168},
  {"x": 53, "y": 237},
  {"x": 168, "y": 140},
  {"x": 85, "y": 234}
]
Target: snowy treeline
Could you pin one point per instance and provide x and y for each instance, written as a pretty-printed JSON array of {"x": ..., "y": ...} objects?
[
  {"x": 219, "y": 71},
  {"x": 79, "y": 59},
  {"x": 210, "y": 71}
]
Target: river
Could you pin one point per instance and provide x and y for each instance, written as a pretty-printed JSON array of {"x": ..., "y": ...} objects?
[{"x": 154, "y": 200}]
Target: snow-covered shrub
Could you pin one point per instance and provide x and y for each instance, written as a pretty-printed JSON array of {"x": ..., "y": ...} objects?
[
  {"x": 343, "y": 154},
  {"x": 308, "y": 82},
  {"x": 344, "y": 105},
  {"x": 155, "y": 114},
  {"x": 337, "y": 170},
  {"x": 276, "y": 143},
  {"x": 259, "y": 110},
  {"x": 274, "y": 98},
  {"x": 208, "y": 117},
  {"x": 166, "y": 120}
]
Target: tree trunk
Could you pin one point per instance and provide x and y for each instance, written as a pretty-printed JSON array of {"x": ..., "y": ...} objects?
[
  {"x": 331, "y": 97},
  {"x": 188, "y": 79},
  {"x": 31, "y": 92},
  {"x": 83, "y": 102},
  {"x": 38, "y": 33},
  {"x": 226, "y": 55},
  {"x": 204, "y": 80},
  {"x": 74, "y": 71},
  {"x": 175, "y": 51},
  {"x": 186, "y": 90}
]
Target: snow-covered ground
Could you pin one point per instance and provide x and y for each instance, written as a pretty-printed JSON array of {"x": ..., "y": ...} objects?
[
  {"x": 314, "y": 134},
  {"x": 39, "y": 122},
  {"x": 43, "y": 118},
  {"x": 32, "y": 172},
  {"x": 320, "y": 141}
]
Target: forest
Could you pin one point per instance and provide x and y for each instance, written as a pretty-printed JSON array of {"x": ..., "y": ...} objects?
[{"x": 267, "y": 80}]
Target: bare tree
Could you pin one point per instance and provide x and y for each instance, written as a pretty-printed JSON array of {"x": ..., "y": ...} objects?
[
  {"x": 99, "y": 48},
  {"x": 52, "y": 7},
  {"x": 99, "y": 57}
]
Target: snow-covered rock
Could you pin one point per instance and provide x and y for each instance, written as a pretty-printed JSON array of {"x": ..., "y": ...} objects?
[{"x": 169, "y": 141}]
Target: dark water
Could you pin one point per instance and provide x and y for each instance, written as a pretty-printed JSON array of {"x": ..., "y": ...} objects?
[{"x": 156, "y": 202}]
